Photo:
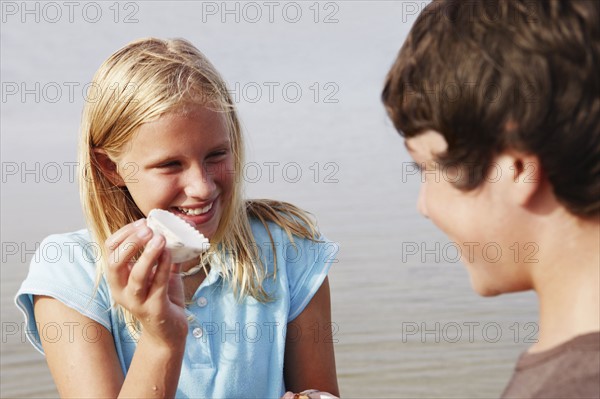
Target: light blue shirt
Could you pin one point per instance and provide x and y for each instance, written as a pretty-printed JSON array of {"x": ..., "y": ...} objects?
[{"x": 233, "y": 350}]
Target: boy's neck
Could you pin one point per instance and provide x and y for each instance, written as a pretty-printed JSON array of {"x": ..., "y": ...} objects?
[{"x": 567, "y": 281}]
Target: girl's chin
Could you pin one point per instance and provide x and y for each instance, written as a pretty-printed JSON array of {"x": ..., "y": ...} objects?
[{"x": 208, "y": 230}]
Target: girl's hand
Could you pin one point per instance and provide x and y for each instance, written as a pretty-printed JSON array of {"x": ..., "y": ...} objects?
[
  {"x": 151, "y": 287},
  {"x": 309, "y": 394}
]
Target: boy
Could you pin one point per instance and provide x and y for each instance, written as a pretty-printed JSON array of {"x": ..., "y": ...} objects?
[{"x": 503, "y": 97}]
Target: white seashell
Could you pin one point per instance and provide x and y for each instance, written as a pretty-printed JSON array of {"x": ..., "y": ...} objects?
[{"x": 184, "y": 241}]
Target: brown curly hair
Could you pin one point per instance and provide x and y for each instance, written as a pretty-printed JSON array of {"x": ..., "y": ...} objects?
[{"x": 506, "y": 74}]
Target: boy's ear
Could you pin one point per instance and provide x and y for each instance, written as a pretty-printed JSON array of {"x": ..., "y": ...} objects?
[
  {"x": 108, "y": 167},
  {"x": 527, "y": 177}
]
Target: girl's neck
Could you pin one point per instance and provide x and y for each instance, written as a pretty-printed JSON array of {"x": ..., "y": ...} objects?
[
  {"x": 192, "y": 281},
  {"x": 191, "y": 284}
]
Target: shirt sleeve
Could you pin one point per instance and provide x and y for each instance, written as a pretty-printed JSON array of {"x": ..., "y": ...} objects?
[
  {"x": 307, "y": 264},
  {"x": 63, "y": 267}
]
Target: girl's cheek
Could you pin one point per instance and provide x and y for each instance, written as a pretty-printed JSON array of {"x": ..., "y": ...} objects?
[{"x": 226, "y": 172}]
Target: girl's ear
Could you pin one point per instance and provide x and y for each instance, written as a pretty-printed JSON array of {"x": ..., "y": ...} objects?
[{"x": 108, "y": 168}]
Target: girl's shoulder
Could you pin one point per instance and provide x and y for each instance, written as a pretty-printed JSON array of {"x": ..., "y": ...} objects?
[
  {"x": 71, "y": 250},
  {"x": 300, "y": 262},
  {"x": 271, "y": 235},
  {"x": 289, "y": 251},
  {"x": 65, "y": 263},
  {"x": 63, "y": 267},
  {"x": 270, "y": 216}
]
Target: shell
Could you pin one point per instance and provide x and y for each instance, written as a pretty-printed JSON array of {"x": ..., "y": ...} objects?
[{"x": 184, "y": 241}]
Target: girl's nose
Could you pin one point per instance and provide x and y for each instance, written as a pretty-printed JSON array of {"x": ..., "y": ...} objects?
[{"x": 199, "y": 183}]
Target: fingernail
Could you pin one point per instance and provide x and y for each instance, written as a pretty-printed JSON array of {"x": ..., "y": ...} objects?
[
  {"x": 139, "y": 222},
  {"x": 156, "y": 241},
  {"x": 145, "y": 232}
]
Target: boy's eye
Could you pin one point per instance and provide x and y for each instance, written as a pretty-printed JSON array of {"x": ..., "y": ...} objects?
[
  {"x": 426, "y": 165},
  {"x": 418, "y": 166}
]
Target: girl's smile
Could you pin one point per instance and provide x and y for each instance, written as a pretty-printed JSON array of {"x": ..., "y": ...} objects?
[{"x": 196, "y": 214}]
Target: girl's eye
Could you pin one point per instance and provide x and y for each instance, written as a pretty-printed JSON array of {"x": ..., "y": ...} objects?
[
  {"x": 170, "y": 164},
  {"x": 217, "y": 155}
]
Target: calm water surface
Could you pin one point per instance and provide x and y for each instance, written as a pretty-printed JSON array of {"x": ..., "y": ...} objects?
[{"x": 407, "y": 323}]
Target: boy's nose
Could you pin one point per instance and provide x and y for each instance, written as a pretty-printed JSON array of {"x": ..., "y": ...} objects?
[{"x": 421, "y": 202}]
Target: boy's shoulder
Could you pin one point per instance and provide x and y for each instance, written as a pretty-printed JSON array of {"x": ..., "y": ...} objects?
[{"x": 570, "y": 370}]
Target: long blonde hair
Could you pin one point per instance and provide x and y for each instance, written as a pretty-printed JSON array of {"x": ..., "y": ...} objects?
[{"x": 139, "y": 83}]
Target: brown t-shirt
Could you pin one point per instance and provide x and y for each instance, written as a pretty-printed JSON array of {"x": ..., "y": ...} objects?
[{"x": 570, "y": 370}]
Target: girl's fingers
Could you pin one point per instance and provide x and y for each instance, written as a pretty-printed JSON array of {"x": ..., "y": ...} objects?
[
  {"x": 130, "y": 246},
  {"x": 141, "y": 276},
  {"x": 120, "y": 235},
  {"x": 151, "y": 275},
  {"x": 119, "y": 260},
  {"x": 161, "y": 276},
  {"x": 167, "y": 282},
  {"x": 310, "y": 393}
]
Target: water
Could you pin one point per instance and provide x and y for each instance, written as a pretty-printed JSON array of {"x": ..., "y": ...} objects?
[{"x": 406, "y": 326}]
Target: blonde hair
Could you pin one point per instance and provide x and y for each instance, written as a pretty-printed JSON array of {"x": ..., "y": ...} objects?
[{"x": 139, "y": 83}]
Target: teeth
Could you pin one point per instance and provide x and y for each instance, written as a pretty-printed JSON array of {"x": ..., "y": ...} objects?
[{"x": 195, "y": 212}]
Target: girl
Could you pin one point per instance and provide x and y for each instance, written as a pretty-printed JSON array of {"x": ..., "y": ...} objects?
[{"x": 159, "y": 130}]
